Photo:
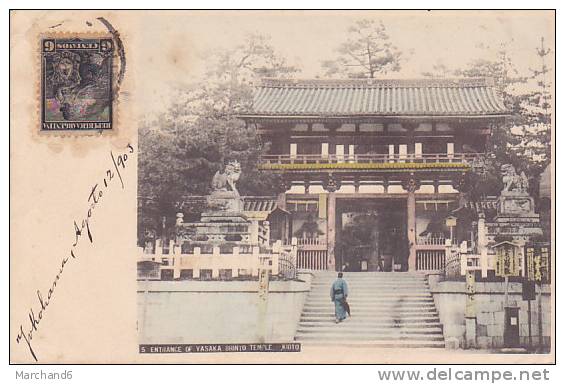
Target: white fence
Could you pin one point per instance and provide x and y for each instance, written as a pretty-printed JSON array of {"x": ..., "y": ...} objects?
[
  {"x": 432, "y": 260},
  {"x": 461, "y": 259},
  {"x": 176, "y": 265},
  {"x": 312, "y": 259}
]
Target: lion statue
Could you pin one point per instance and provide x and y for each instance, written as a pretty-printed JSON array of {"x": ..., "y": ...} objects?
[
  {"x": 512, "y": 181},
  {"x": 227, "y": 179}
]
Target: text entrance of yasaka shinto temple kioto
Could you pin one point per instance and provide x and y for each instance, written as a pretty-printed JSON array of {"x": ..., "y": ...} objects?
[{"x": 371, "y": 235}]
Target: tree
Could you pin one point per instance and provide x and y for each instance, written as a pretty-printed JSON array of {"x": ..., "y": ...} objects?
[
  {"x": 533, "y": 127},
  {"x": 366, "y": 53},
  {"x": 524, "y": 140},
  {"x": 182, "y": 148}
]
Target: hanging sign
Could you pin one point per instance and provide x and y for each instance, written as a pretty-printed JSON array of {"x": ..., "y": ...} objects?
[
  {"x": 537, "y": 263},
  {"x": 507, "y": 259}
]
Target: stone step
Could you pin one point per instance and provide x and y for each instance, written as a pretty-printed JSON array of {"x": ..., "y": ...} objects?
[
  {"x": 399, "y": 317},
  {"x": 376, "y": 292},
  {"x": 373, "y": 290},
  {"x": 373, "y": 306},
  {"x": 359, "y": 296},
  {"x": 389, "y": 310},
  {"x": 408, "y": 315},
  {"x": 373, "y": 278},
  {"x": 368, "y": 337},
  {"x": 423, "y": 321},
  {"x": 390, "y": 335},
  {"x": 362, "y": 324},
  {"x": 373, "y": 286},
  {"x": 330, "y": 274},
  {"x": 385, "y": 306},
  {"x": 372, "y": 281},
  {"x": 394, "y": 318},
  {"x": 374, "y": 343},
  {"x": 376, "y": 300},
  {"x": 368, "y": 329},
  {"x": 387, "y": 279},
  {"x": 376, "y": 296},
  {"x": 372, "y": 311}
]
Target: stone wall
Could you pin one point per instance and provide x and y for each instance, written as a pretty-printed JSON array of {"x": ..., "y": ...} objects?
[
  {"x": 187, "y": 312},
  {"x": 450, "y": 299}
]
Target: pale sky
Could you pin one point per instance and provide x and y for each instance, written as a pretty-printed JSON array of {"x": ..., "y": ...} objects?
[{"x": 178, "y": 42}]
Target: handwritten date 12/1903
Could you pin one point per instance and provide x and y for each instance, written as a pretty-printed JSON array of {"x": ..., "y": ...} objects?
[{"x": 96, "y": 193}]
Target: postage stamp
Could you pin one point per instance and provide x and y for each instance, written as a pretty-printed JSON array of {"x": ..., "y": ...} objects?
[{"x": 76, "y": 84}]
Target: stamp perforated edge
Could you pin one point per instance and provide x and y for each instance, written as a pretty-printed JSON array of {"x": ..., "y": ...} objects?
[{"x": 118, "y": 71}]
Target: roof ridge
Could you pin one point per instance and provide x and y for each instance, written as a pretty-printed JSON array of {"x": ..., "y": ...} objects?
[
  {"x": 459, "y": 82},
  {"x": 378, "y": 97}
]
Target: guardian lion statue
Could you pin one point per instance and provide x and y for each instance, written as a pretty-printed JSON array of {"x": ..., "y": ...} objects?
[
  {"x": 512, "y": 181},
  {"x": 228, "y": 178}
]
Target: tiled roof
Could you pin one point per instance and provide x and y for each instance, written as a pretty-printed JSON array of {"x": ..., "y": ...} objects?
[{"x": 421, "y": 97}]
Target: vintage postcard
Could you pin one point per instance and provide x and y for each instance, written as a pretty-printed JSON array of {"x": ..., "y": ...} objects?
[{"x": 282, "y": 187}]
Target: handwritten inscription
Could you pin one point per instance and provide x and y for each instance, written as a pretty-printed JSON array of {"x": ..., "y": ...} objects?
[{"x": 81, "y": 229}]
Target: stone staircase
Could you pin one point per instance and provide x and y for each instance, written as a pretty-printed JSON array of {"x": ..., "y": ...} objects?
[{"x": 388, "y": 310}]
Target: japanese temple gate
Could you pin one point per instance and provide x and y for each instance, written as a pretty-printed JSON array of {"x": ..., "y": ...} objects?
[{"x": 387, "y": 156}]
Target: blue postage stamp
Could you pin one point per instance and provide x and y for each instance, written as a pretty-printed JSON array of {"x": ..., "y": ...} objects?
[{"x": 76, "y": 84}]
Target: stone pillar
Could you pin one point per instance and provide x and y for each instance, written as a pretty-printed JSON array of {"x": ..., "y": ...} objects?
[
  {"x": 254, "y": 232},
  {"x": 256, "y": 271},
  {"x": 158, "y": 250},
  {"x": 482, "y": 244},
  {"x": 196, "y": 265},
  {"x": 215, "y": 269},
  {"x": 263, "y": 296},
  {"x": 331, "y": 230},
  {"x": 175, "y": 250},
  {"x": 470, "y": 311},
  {"x": 235, "y": 269}
]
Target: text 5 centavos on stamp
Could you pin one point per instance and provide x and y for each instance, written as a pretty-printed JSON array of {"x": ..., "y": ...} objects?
[{"x": 76, "y": 84}]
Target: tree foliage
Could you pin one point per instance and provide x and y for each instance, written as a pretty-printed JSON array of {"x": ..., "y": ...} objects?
[
  {"x": 524, "y": 140},
  {"x": 533, "y": 127},
  {"x": 366, "y": 52},
  {"x": 181, "y": 149}
]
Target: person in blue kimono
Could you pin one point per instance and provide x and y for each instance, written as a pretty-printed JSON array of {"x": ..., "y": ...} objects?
[{"x": 339, "y": 293}]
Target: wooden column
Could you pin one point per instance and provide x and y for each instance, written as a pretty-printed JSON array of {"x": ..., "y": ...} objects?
[
  {"x": 281, "y": 200},
  {"x": 331, "y": 231},
  {"x": 411, "y": 226},
  {"x": 284, "y": 186},
  {"x": 411, "y": 185},
  {"x": 331, "y": 184}
]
